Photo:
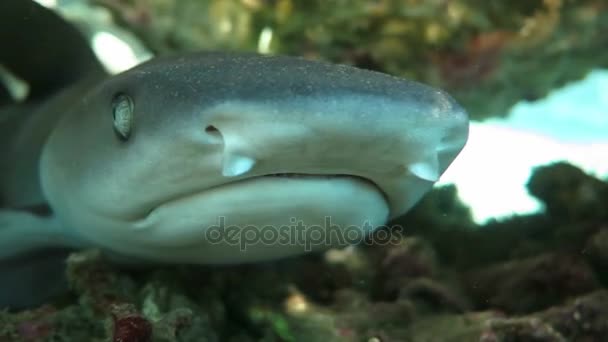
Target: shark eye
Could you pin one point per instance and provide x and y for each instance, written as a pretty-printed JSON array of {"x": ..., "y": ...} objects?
[{"x": 122, "y": 115}]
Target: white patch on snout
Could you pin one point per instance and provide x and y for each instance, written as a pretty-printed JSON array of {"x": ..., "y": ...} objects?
[
  {"x": 426, "y": 168},
  {"x": 425, "y": 171},
  {"x": 236, "y": 165}
]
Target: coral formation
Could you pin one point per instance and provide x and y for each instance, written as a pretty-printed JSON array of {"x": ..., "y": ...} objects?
[{"x": 488, "y": 54}]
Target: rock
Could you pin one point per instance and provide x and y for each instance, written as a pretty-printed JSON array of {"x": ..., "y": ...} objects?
[
  {"x": 352, "y": 318},
  {"x": 581, "y": 319},
  {"x": 527, "y": 285},
  {"x": 432, "y": 296},
  {"x": 597, "y": 249},
  {"x": 569, "y": 193},
  {"x": 401, "y": 263}
]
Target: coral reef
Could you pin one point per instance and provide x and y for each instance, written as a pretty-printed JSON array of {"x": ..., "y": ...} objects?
[{"x": 488, "y": 54}]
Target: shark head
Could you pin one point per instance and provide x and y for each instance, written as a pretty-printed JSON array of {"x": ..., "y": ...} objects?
[{"x": 225, "y": 158}]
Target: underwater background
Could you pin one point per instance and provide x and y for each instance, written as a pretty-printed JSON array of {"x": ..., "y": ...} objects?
[{"x": 511, "y": 245}]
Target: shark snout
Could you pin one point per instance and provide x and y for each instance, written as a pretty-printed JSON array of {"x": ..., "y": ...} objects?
[
  {"x": 384, "y": 141},
  {"x": 256, "y": 140}
]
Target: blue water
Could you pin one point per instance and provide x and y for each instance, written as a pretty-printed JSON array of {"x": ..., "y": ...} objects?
[
  {"x": 570, "y": 124},
  {"x": 577, "y": 112}
]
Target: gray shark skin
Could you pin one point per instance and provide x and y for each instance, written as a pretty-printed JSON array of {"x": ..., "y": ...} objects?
[{"x": 159, "y": 162}]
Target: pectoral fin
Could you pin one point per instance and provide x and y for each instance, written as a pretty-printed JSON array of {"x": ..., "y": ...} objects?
[{"x": 33, "y": 250}]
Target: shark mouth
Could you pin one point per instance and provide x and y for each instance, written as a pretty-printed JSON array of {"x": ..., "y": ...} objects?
[
  {"x": 310, "y": 175},
  {"x": 282, "y": 176},
  {"x": 292, "y": 175}
]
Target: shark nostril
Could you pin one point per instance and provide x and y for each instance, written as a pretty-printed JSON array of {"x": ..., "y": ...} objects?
[
  {"x": 215, "y": 136},
  {"x": 212, "y": 129}
]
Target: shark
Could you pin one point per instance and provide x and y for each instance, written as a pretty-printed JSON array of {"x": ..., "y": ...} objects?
[{"x": 202, "y": 157}]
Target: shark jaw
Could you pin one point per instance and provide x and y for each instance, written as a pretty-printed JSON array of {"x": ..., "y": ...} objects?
[{"x": 257, "y": 219}]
